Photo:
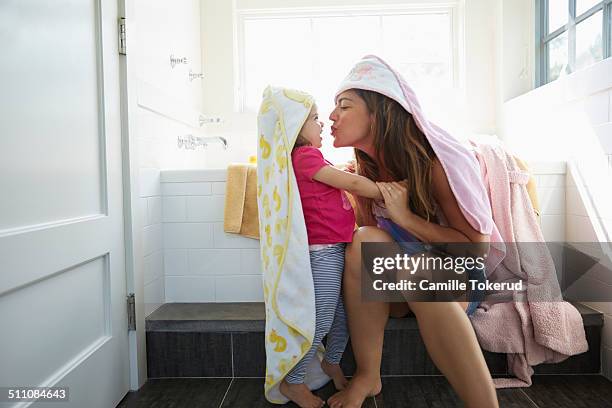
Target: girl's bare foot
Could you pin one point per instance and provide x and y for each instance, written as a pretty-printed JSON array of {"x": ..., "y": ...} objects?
[
  {"x": 336, "y": 374},
  {"x": 358, "y": 389},
  {"x": 301, "y": 395}
]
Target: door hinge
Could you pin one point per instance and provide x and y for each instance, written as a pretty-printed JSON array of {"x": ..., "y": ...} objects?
[
  {"x": 122, "y": 36},
  {"x": 131, "y": 311}
]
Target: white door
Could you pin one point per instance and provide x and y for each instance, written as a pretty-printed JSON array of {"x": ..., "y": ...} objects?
[{"x": 62, "y": 264}]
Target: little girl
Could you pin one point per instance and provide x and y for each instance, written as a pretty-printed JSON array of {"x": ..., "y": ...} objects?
[{"x": 330, "y": 222}]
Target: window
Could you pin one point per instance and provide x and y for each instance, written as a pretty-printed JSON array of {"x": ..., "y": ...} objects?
[
  {"x": 573, "y": 34},
  {"x": 313, "y": 50}
]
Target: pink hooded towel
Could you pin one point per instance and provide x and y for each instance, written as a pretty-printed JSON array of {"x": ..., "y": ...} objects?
[{"x": 459, "y": 162}]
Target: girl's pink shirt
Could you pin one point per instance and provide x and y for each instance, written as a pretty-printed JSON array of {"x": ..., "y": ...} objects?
[{"x": 328, "y": 213}]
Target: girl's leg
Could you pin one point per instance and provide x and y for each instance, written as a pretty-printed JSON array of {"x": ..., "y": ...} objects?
[
  {"x": 366, "y": 322},
  {"x": 337, "y": 338},
  {"x": 327, "y": 280},
  {"x": 338, "y": 335}
]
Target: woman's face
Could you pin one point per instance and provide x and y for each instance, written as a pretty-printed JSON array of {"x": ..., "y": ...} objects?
[{"x": 351, "y": 121}]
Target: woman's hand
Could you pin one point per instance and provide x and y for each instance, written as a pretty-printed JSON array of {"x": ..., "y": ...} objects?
[
  {"x": 348, "y": 166},
  {"x": 396, "y": 200}
]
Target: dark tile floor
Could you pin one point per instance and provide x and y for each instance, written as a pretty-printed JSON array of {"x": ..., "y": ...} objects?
[{"x": 547, "y": 391}]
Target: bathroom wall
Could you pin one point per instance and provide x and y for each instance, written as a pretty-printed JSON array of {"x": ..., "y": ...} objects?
[
  {"x": 201, "y": 262},
  {"x": 571, "y": 119},
  {"x": 169, "y": 105}
]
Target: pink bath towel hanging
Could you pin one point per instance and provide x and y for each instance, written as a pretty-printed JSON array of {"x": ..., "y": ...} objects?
[{"x": 536, "y": 326}]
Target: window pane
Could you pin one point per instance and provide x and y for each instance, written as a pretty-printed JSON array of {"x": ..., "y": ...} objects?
[
  {"x": 584, "y": 5},
  {"x": 331, "y": 61},
  {"x": 557, "y": 56},
  {"x": 589, "y": 48},
  {"x": 558, "y": 14},
  {"x": 419, "y": 47},
  {"x": 273, "y": 59}
]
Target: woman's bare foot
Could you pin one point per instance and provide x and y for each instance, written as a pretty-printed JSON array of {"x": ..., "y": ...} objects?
[
  {"x": 358, "y": 389},
  {"x": 301, "y": 395},
  {"x": 336, "y": 374}
]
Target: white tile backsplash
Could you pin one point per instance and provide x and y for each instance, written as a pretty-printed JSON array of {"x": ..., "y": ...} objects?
[
  {"x": 239, "y": 288},
  {"x": 551, "y": 180},
  {"x": 143, "y": 211},
  {"x": 604, "y": 134},
  {"x": 153, "y": 295},
  {"x": 553, "y": 227},
  {"x": 154, "y": 210},
  {"x": 188, "y": 235},
  {"x": 250, "y": 261},
  {"x": 214, "y": 261},
  {"x": 190, "y": 289},
  {"x": 176, "y": 262},
  {"x": 595, "y": 108},
  {"x": 579, "y": 229},
  {"x": 552, "y": 200},
  {"x": 174, "y": 209},
  {"x": 201, "y": 261},
  {"x": 193, "y": 176},
  {"x": 169, "y": 189},
  {"x": 218, "y": 188},
  {"x": 152, "y": 239},
  {"x": 574, "y": 202},
  {"x": 153, "y": 267},
  {"x": 205, "y": 209},
  {"x": 225, "y": 240},
  {"x": 149, "y": 184}
]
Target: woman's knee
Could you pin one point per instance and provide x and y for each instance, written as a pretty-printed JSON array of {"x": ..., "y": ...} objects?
[
  {"x": 367, "y": 234},
  {"x": 353, "y": 249}
]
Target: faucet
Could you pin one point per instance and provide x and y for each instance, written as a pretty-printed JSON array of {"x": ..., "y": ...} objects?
[
  {"x": 191, "y": 142},
  {"x": 205, "y": 140}
]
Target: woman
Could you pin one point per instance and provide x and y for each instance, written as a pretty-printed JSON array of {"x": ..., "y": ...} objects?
[{"x": 442, "y": 200}]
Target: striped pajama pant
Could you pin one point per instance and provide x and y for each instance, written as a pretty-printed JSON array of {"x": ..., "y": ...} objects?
[{"x": 327, "y": 267}]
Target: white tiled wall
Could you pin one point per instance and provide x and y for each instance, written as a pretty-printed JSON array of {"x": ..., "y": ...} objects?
[
  {"x": 202, "y": 263},
  {"x": 168, "y": 106},
  {"x": 571, "y": 119},
  {"x": 550, "y": 182},
  {"x": 150, "y": 215}
]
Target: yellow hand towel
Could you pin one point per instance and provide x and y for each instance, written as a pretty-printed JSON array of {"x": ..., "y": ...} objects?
[
  {"x": 240, "y": 215},
  {"x": 531, "y": 186}
]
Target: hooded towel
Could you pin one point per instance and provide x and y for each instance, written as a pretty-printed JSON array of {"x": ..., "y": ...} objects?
[{"x": 287, "y": 277}]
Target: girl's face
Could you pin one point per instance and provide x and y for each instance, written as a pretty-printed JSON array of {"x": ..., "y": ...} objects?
[
  {"x": 352, "y": 121},
  {"x": 312, "y": 128}
]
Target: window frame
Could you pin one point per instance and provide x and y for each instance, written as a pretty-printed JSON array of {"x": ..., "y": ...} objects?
[
  {"x": 543, "y": 39},
  {"x": 455, "y": 8}
]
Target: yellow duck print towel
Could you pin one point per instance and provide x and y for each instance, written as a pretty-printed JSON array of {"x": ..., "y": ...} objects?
[{"x": 287, "y": 278}]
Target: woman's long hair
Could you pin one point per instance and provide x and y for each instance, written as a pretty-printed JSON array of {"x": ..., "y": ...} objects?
[{"x": 402, "y": 149}]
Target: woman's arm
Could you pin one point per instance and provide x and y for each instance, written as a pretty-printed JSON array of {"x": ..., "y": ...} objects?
[
  {"x": 458, "y": 230},
  {"x": 353, "y": 183}
]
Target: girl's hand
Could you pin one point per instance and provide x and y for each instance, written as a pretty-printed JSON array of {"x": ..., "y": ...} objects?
[{"x": 396, "y": 200}]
